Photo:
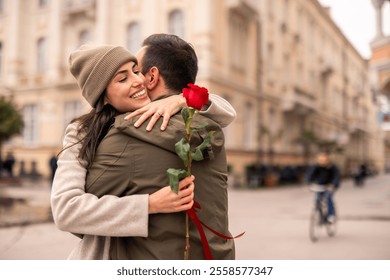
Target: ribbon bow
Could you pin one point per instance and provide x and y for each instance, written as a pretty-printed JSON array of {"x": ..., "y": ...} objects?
[{"x": 199, "y": 225}]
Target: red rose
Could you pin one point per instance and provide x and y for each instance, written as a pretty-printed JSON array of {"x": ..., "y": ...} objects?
[{"x": 196, "y": 96}]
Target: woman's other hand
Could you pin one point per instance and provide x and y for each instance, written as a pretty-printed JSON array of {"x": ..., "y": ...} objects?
[
  {"x": 165, "y": 108},
  {"x": 166, "y": 201}
]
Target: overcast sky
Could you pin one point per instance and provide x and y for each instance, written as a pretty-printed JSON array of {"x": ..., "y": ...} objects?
[{"x": 356, "y": 18}]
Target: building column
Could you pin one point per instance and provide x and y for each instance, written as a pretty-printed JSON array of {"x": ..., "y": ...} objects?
[
  {"x": 13, "y": 45},
  {"x": 55, "y": 60},
  {"x": 378, "y": 4},
  {"x": 202, "y": 36},
  {"x": 101, "y": 22}
]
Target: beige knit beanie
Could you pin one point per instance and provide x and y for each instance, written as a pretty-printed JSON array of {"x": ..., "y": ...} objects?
[{"x": 94, "y": 67}]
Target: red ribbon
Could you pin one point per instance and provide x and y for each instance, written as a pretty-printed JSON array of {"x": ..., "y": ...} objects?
[{"x": 205, "y": 243}]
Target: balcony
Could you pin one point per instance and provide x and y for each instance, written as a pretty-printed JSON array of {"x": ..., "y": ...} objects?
[
  {"x": 326, "y": 67},
  {"x": 79, "y": 7},
  {"x": 357, "y": 125},
  {"x": 298, "y": 102}
]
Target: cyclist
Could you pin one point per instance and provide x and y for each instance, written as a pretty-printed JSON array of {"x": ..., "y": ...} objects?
[{"x": 326, "y": 174}]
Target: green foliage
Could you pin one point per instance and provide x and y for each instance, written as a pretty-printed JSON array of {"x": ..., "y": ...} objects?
[
  {"x": 182, "y": 149},
  {"x": 174, "y": 176},
  {"x": 200, "y": 126},
  {"x": 185, "y": 114},
  {"x": 198, "y": 153},
  {"x": 11, "y": 122}
]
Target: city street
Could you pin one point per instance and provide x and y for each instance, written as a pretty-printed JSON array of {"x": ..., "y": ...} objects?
[{"x": 275, "y": 220}]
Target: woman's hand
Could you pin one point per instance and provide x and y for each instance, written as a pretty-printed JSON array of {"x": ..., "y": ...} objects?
[
  {"x": 166, "y": 201},
  {"x": 161, "y": 108}
]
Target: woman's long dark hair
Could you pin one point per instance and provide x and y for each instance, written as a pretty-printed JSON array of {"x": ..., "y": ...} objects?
[{"x": 94, "y": 126}]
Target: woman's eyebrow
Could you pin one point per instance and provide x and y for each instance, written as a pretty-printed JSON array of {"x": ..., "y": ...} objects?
[{"x": 121, "y": 72}]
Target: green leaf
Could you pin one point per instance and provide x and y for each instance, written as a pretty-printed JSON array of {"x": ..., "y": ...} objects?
[
  {"x": 206, "y": 140},
  {"x": 174, "y": 176},
  {"x": 185, "y": 114},
  {"x": 198, "y": 154},
  {"x": 200, "y": 126},
  {"x": 182, "y": 149}
]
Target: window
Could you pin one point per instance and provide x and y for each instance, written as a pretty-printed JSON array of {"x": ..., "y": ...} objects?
[
  {"x": 84, "y": 37},
  {"x": 42, "y": 3},
  {"x": 176, "y": 23},
  {"x": 286, "y": 70},
  {"x": 41, "y": 55},
  {"x": 238, "y": 40},
  {"x": 31, "y": 124},
  {"x": 285, "y": 11},
  {"x": 312, "y": 82},
  {"x": 72, "y": 110},
  {"x": 133, "y": 37},
  {"x": 249, "y": 125},
  {"x": 1, "y": 58},
  {"x": 270, "y": 60},
  {"x": 271, "y": 128}
]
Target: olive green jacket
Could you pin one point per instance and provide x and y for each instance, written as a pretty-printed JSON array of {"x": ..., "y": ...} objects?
[{"x": 134, "y": 161}]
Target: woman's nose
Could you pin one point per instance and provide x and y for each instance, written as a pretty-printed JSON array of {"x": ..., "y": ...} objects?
[{"x": 140, "y": 80}]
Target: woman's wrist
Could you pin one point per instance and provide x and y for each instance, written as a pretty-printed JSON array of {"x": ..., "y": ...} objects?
[
  {"x": 151, "y": 209},
  {"x": 182, "y": 102}
]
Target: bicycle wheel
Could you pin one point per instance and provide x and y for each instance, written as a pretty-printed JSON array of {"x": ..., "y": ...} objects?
[{"x": 315, "y": 224}]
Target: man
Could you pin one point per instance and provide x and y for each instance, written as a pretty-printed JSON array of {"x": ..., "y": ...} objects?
[
  {"x": 134, "y": 161},
  {"x": 325, "y": 173}
]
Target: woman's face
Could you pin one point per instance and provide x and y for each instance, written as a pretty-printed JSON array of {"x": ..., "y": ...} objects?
[{"x": 126, "y": 91}]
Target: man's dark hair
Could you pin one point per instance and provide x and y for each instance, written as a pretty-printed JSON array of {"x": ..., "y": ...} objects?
[{"x": 175, "y": 59}]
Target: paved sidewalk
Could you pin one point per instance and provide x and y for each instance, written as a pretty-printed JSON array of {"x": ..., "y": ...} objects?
[
  {"x": 275, "y": 221},
  {"x": 24, "y": 202}
]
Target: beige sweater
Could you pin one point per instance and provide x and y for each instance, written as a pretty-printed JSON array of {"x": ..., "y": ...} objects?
[{"x": 99, "y": 218}]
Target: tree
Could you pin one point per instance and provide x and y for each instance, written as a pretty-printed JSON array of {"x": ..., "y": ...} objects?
[
  {"x": 271, "y": 177},
  {"x": 307, "y": 140},
  {"x": 11, "y": 122}
]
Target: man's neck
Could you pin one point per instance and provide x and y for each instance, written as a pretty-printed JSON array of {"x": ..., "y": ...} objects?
[{"x": 154, "y": 95}]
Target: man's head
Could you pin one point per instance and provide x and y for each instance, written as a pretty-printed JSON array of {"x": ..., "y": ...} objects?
[
  {"x": 168, "y": 64},
  {"x": 323, "y": 159}
]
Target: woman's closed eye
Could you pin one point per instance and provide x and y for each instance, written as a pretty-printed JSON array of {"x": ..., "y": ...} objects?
[
  {"x": 123, "y": 79},
  {"x": 136, "y": 71}
]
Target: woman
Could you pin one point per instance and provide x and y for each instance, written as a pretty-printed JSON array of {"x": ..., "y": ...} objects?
[{"x": 96, "y": 70}]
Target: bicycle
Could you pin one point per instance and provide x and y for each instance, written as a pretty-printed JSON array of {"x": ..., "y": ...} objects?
[{"x": 319, "y": 215}]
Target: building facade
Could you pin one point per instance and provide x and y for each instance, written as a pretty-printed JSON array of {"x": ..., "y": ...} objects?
[
  {"x": 380, "y": 73},
  {"x": 296, "y": 82}
]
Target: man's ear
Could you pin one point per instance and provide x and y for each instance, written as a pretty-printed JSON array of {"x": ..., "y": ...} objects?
[{"x": 152, "y": 78}]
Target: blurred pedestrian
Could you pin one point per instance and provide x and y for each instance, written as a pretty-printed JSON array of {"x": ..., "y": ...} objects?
[
  {"x": 53, "y": 166},
  {"x": 361, "y": 175},
  {"x": 325, "y": 174},
  {"x": 9, "y": 164}
]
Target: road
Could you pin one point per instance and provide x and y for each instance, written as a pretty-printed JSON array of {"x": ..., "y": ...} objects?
[{"x": 275, "y": 221}]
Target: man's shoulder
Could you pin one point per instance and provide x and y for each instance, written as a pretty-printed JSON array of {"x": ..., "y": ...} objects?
[
  {"x": 172, "y": 134},
  {"x": 175, "y": 123}
]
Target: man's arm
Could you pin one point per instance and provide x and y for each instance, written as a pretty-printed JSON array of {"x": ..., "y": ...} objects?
[{"x": 336, "y": 177}]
